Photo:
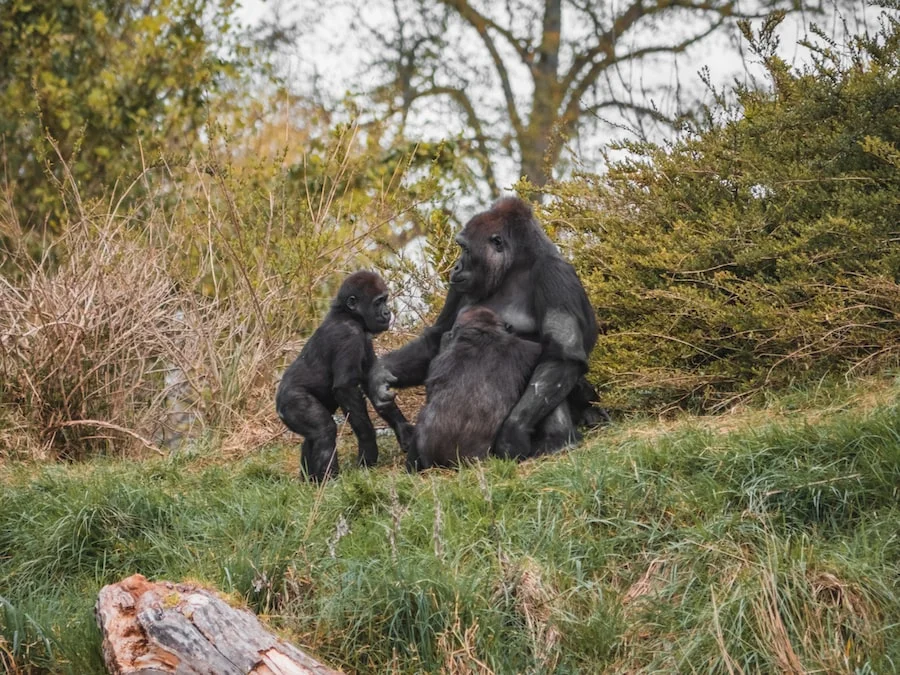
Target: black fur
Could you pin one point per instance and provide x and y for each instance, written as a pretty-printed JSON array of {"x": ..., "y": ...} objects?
[
  {"x": 480, "y": 360},
  {"x": 508, "y": 264},
  {"x": 329, "y": 372}
]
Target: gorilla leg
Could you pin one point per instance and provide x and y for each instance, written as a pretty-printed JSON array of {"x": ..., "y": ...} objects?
[
  {"x": 546, "y": 392},
  {"x": 320, "y": 460},
  {"x": 305, "y": 415},
  {"x": 414, "y": 461},
  {"x": 556, "y": 431}
]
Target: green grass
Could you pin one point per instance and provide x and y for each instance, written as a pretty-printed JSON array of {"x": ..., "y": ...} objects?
[{"x": 772, "y": 547}]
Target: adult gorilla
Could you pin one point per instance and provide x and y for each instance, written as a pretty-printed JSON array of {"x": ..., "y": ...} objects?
[{"x": 508, "y": 264}]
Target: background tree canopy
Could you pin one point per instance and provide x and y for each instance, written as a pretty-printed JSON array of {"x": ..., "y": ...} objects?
[
  {"x": 111, "y": 84},
  {"x": 523, "y": 78}
]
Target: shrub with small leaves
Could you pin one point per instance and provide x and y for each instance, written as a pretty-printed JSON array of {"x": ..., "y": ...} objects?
[{"x": 762, "y": 247}]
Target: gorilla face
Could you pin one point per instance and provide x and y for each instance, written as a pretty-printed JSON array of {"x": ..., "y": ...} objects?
[
  {"x": 486, "y": 255},
  {"x": 378, "y": 316},
  {"x": 365, "y": 296}
]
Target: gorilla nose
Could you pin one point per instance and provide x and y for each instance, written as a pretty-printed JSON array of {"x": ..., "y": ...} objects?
[{"x": 457, "y": 275}]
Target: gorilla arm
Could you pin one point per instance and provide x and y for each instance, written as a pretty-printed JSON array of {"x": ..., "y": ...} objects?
[
  {"x": 408, "y": 366},
  {"x": 389, "y": 411}
]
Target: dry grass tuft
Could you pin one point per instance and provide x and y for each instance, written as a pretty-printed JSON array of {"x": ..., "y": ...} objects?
[
  {"x": 647, "y": 585},
  {"x": 533, "y": 598},
  {"x": 458, "y": 647},
  {"x": 85, "y": 344}
]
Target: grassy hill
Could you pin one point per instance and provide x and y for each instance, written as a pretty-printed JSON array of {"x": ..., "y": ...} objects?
[{"x": 760, "y": 541}]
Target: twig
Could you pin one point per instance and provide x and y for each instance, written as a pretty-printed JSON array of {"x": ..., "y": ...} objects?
[{"x": 109, "y": 425}]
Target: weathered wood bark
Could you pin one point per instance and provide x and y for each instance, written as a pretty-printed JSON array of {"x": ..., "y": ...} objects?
[{"x": 159, "y": 628}]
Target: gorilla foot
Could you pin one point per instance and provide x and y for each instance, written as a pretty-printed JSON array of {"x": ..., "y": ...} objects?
[
  {"x": 595, "y": 417},
  {"x": 550, "y": 444},
  {"x": 512, "y": 442},
  {"x": 318, "y": 472}
]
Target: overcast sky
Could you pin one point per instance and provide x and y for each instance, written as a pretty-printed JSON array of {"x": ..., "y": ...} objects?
[{"x": 329, "y": 54}]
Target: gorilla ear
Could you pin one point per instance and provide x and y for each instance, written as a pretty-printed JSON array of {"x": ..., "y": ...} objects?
[{"x": 351, "y": 303}]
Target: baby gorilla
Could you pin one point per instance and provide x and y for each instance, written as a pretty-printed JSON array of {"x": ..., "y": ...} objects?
[
  {"x": 474, "y": 382},
  {"x": 328, "y": 373}
]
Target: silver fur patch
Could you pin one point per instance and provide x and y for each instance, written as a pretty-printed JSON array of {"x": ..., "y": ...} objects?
[{"x": 563, "y": 327}]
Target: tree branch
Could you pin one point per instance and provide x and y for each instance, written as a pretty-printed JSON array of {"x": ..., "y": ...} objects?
[
  {"x": 647, "y": 111},
  {"x": 573, "y": 109},
  {"x": 606, "y": 42},
  {"x": 462, "y": 99},
  {"x": 626, "y": 20},
  {"x": 481, "y": 24}
]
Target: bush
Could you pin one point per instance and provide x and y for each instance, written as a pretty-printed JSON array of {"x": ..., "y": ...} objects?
[
  {"x": 82, "y": 346},
  {"x": 172, "y": 314},
  {"x": 99, "y": 89},
  {"x": 758, "y": 249}
]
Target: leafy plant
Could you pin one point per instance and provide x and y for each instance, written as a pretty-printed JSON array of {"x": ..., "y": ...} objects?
[{"x": 759, "y": 249}]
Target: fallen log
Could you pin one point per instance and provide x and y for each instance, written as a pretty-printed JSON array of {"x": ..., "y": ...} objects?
[{"x": 159, "y": 628}]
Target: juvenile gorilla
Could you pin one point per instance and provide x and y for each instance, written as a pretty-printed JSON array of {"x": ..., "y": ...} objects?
[
  {"x": 510, "y": 266},
  {"x": 328, "y": 373},
  {"x": 480, "y": 361}
]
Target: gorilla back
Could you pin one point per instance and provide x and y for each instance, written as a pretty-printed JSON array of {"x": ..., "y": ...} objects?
[{"x": 472, "y": 385}]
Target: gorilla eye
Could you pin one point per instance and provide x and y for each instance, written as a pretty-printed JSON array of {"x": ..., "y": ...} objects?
[{"x": 497, "y": 241}]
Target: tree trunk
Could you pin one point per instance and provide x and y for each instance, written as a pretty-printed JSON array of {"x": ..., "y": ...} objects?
[
  {"x": 158, "y": 628},
  {"x": 538, "y": 158}
]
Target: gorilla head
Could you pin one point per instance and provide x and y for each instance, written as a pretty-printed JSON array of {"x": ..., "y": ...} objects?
[
  {"x": 476, "y": 323},
  {"x": 493, "y": 243},
  {"x": 364, "y": 296}
]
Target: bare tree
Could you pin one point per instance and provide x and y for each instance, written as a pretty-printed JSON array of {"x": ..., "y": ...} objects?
[{"x": 523, "y": 76}]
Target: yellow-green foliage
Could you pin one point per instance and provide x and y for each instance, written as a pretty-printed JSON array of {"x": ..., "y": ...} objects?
[
  {"x": 173, "y": 313},
  {"x": 760, "y": 248},
  {"x": 107, "y": 86}
]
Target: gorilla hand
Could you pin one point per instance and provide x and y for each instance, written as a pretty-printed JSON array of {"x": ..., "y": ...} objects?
[
  {"x": 406, "y": 436},
  {"x": 380, "y": 382},
  {"x": 513, "y": 441}
]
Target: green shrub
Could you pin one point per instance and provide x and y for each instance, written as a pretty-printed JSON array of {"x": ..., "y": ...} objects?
[
  {"x": 759, "y": 248},
  {"x": 97, "y": 90},
  {"x": 146, "y": 321}
]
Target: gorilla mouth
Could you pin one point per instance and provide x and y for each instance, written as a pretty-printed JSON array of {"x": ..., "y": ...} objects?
[{"x": 460, "y": 278}]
